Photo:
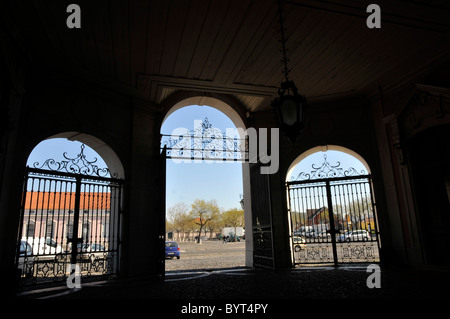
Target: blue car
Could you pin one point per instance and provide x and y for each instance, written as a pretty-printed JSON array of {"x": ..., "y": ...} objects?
[{"x": 172, "y": 249}]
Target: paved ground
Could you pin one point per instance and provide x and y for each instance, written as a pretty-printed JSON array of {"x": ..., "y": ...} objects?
[
  {"x": 335, "y": 292},
  {"x": 341, "y": 290},
  {"x": 212, "y": 254}
]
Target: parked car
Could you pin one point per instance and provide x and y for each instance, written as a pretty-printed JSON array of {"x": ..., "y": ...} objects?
[
  {"x": 90, "y": 247},
  {"x": 43, "y": 246},
  {"x": 25, "y": 265},
  {"x": 25, "y": 249},
  {"x": 312, "y": 234},
  {"x": 172, "y": 249},
  {"x": 97, "y": 247},
  {"x": 299, "y": 243},
  {"x": 90, "y": 251},
  {"x": 354, "y": 235},
  {"x": 324, "y": 234}
]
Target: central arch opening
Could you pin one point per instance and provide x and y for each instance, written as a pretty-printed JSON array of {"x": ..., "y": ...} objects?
[{"x": 206, "y": 209}]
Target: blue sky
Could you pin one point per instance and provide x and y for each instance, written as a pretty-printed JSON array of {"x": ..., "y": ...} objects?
[
  {"x": 189, "y": 181},
  {"x": 334, "y": 158},
  {"x": 186, "y": 182},
  {"x": 54, "y": 149}
]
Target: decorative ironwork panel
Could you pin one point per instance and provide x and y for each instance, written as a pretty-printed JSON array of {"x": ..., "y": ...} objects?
[
  {"x": 76, "y": 165},
  {"x": 326, "y": 170},
  {"x": 68, "y": 218},
  {"x": 204, "y": 142},
  {"x": 332, "y": 216},
  {"x": 262, "y": 247}
]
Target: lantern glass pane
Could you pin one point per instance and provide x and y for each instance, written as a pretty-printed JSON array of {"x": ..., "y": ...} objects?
[{"x": 289, "y": 112}]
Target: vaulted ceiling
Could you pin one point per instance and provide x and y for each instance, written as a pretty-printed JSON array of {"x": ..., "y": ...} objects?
[{"x": 156, "y": 48}]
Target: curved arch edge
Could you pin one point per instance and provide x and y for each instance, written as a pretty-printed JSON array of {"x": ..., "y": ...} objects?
[
  {"x": 324, "y": 148},
  {"x": 108, "y": 155}
]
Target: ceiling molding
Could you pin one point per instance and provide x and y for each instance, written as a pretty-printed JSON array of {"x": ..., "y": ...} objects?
[
  {"x": 434, "y": 90},
  {"x": 156, "y": 88}
]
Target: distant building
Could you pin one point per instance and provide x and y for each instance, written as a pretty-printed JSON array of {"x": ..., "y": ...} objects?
[
  {"x": 50, "y": 215},
  {"x": 317, "y": 216}
]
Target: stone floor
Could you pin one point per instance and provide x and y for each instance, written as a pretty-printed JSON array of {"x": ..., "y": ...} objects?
[{"x": 301, "y": 286}]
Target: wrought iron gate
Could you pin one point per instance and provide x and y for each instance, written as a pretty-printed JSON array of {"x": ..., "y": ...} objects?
[
  {"x": 71, "y": 214},
  {"x": 263, "y": 250},
  {"x": 333, "y": 216}
]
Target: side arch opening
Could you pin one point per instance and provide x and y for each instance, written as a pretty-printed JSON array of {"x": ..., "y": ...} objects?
[
  {"x": 332, "y": 209},
  {"x": 71, "y": 211}
]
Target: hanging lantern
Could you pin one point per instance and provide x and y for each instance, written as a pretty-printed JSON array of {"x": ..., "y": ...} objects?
[{"x": 290, "y": 105}]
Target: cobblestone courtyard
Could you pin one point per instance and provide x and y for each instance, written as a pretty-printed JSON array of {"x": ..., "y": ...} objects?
[
  {"x": 211, "y": 254},
  {"x": 200, "y": 274}
]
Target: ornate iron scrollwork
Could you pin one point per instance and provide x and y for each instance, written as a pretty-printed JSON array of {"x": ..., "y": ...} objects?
[
  {"x": 77, "y": 165},
  {"x": 326, "y": 170},
  {"x": 204, "y": 142}
]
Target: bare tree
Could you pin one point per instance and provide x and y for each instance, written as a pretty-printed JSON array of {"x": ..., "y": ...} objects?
[
  {"x": 178, "y": 219},
  {"x": 175, "y": 211}
]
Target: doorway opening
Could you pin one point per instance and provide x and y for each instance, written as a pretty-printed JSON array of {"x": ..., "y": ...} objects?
[
  {"x": 205, "y": 220},
  {"x": 332, "y": 209},
  {"x": 429, "y": 151},
  {"x": 71, "y": 213}
]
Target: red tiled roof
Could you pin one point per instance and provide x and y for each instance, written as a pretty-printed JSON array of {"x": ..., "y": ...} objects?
[{"x": 66, "y": 201}]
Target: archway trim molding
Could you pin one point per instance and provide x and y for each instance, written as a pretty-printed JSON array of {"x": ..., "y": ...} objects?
[{"x": 224, "y": 103}]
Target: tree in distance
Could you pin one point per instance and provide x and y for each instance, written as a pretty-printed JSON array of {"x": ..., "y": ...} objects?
[
  {"x": 202, "y": 212},
  {"x": 202, "y": 215}
]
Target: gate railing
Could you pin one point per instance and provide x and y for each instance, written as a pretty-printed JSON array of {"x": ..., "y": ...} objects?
[
  {"x": 204, "y": 143},
  {"x": 333, "y": 219},
  {"x": 68, "y": 219}
]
